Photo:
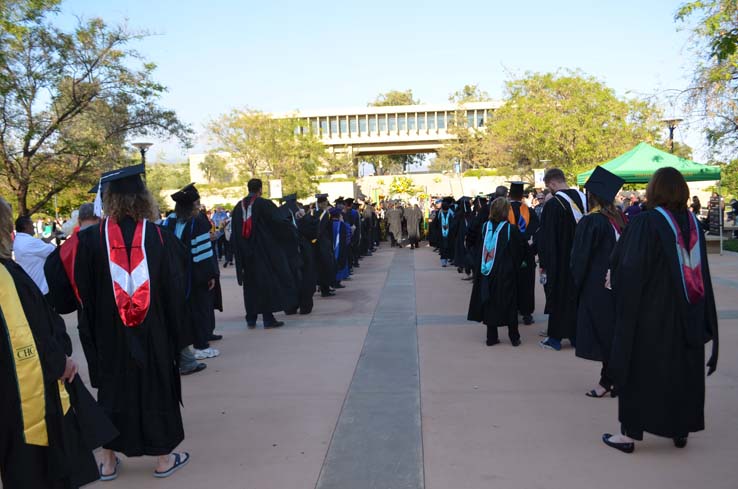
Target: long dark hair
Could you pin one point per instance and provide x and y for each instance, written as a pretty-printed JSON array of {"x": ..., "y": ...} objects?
[{"x": 607, "y": 208}]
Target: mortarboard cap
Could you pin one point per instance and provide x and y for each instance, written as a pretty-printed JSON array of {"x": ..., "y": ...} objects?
[
  {"x": 121, "y": 181},
  {"x": 517, "y": 186},
  {"x": 339, "y": 201},
  {"x": 290, "y": 197},
  {"x": 187, "y": 195},
  {"x": 125, "y": 180},
  {"x": 349, "y": 201},
  {"x": 604, "y": 184},
  {"x": 321, "y": 197}
]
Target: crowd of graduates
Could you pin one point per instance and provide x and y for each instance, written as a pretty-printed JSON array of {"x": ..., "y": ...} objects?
[
  {"x": 634, "y": 294},
  {"x": 145, "y": 287}
]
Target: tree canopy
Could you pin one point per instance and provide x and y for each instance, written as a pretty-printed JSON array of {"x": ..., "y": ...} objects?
[
  {"x": 271, "y": 148},
  {"x": 714, "y": 91},
  {"x": 69, "y": 101},
  {"x": 567, "y": 120}
]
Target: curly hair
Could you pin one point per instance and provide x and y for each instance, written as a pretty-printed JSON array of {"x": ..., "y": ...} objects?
[
  {"x": 139, "y": 206},
  {"x": 6, "y": 230}
]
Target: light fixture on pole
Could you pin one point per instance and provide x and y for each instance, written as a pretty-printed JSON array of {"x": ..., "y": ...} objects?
[
  {"x": 143, "y": 148},
  {"x": 671, "y": 124}
]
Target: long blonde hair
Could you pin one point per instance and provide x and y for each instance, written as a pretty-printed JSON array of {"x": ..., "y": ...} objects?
[{"x": 6, "y": 230}]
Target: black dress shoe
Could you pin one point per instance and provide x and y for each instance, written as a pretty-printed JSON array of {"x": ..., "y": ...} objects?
[
  {"x": 528, "y": 320},
  {"x": 492, "y": 343},
  {"x": 251, "y": 326},
  {"x": 291, "y": 312},
  {"x": 327, "y": 294},
  {"x": 275, "y": 324},
  {"x": 339, "y": 286},
  {"x": 680, "y": 442},
  {"x": 306, "y": 310},
  {"x": 215, "y": 337},
  {"x": 197, "y": 368},
  {"x": 515, "y": 342},
  {"x": 623, "y": 447}
]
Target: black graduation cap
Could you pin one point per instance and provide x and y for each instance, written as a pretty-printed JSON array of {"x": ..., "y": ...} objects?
[
  {"x": 321, "y": 197},
  {"x": 290, "y": 197},
  {"x": 113, "y": 174},
  {"x": 125, "y": 180},
  {"x": 604, "y": 184},
  {"x": 517, "y": 186},
  {"x": 187, "y": 195},
  {"x": 349, "y": 201},
  {"x": 339, "y": 201}
]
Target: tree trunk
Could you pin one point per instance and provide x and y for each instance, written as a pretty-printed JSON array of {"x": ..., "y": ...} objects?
[{"x": 21, "y": 197}]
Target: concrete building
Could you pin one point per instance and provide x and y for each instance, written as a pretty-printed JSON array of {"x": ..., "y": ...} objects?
[
  {"x": 365, "y": 131},
  {"x": 398, "y": 129}
]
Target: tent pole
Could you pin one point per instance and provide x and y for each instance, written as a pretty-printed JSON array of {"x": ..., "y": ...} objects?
[{"x": 720, "y": 208}]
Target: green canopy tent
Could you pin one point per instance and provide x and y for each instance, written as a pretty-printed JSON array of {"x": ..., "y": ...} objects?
[{"x": 641, "y": 162}]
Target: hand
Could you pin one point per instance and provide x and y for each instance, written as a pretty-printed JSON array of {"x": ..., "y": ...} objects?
[
  {"x": 608, "y": 284},
  {"x": 70, "y": 370},
  {"x": 211, "y": 284}
]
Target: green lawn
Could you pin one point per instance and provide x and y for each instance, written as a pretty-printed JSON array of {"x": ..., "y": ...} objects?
[{"x": 731, "y": 245}]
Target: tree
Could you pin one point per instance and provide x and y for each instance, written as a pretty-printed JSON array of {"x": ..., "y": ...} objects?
[
  {"x": 166, "y": 176},
  {"x": 215, "y": 168},
  {"x": 714, "y": 91},
  {"x": 470, "y": 93},
  {"x": 569, "y": 119},
  {"x": 403, "y": 186},
  {"x": 68, "y": 101},
  {"x": 275, "y": 147},
  {"x": 395, "y": 163}
]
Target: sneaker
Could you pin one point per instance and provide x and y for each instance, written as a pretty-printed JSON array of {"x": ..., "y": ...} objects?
[
  {"x": 550, "y": 344},
  {"x": 206, "y": 353}
]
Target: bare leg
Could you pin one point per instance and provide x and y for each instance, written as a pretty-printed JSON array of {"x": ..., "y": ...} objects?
[{"x": 107, "y": 459}]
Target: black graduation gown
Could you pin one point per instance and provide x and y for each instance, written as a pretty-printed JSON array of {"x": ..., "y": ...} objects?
[
  {"x": 324, "y": 257},
  {"x": 261, "y": 263},
  {"x": 459, "y": 227},
  {"x": 527, "y": 272},
  {"x": 658, "y": 356},
  {"x": 494, "y": 297},
  {"x": 67, "y": 462},
  {"x": 445, "y": 243},
  {"x": 201, "y": 267},
  {"x": 594, "y": 242},
  {"x": 558, "y": 226},
  {"x": 135, "y": 369},
  {"x": 434, "y": 230},
  {"x": 293, "y": 251},
  {"x": 308, "y": 232}
]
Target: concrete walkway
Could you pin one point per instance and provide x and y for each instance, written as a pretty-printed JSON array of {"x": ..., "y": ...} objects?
[{"x": 387, "y": 386}]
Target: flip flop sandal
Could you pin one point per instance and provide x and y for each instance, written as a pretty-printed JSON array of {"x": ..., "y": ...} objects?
[
  {"x": 593, "y": 393},
  {"x": 109, "y": 477},
  {"x": 179, "y": 462}
]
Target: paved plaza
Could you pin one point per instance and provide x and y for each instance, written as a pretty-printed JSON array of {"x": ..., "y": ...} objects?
[{"x": 387, "y": 386}]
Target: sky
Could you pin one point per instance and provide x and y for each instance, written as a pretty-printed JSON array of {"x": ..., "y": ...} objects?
[{"x": 277, "y": 56}]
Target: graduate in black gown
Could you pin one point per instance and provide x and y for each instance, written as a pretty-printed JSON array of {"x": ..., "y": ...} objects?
[
  {"x": 665, "y": 313},
  {"x": 494, "y": 298},
  {"x": 300, "y": 253},
  {"x": 192, "y": 228},
  {"x": 50, "y": 423},
  {"x": 324, "y": 256},
  {"x": 131, "y": 285},
  {"x": 558, "y": 223},
  {"x": 443, "y": 221},
  {"x": 259, "y": 233},
  {"x": 594, "y": 240},
  {"x": 460, "y": 225},
  {"x": 527, "y": 222}
]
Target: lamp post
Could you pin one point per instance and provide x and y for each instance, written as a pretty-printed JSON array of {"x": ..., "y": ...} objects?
[
  {"x": 143, "y": 148},
  {"x": 671, "y": 124}
]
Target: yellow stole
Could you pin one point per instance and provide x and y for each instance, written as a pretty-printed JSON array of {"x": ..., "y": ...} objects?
[{"x": 28, "y": 372}]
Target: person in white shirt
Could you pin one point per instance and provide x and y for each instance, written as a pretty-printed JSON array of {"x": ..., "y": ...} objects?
[{"x": 30, "y": 253}]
